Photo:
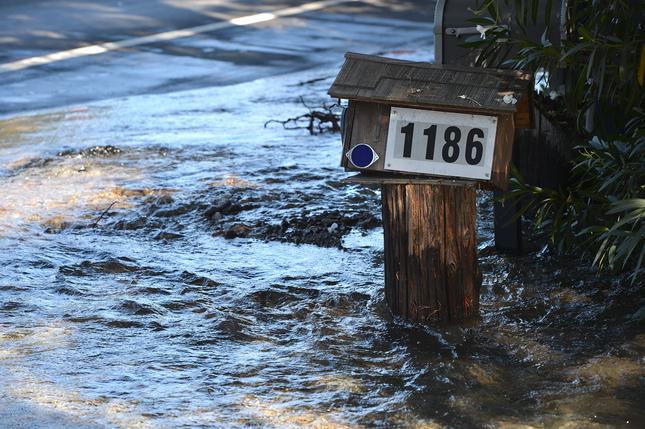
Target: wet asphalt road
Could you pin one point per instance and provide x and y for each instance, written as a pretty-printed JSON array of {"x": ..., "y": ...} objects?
[{"x": 230, "y": 54}]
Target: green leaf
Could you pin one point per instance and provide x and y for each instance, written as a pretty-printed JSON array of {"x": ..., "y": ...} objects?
[
  {"x": 577, "y": 48},
  {"x": 630, "y": 204},
  {"x": 484, "y": 20}
]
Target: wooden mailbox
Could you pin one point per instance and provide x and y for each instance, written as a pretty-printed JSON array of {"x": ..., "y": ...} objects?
[
  {"x": 430, "y": 135},
  {"x": 431, "y": 120}
]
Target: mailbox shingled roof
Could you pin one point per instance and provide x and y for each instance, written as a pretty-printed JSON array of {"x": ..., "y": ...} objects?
[{"x": 398, "y": 82}]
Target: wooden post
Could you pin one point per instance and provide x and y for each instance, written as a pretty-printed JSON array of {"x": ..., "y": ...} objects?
[
  {"x": 507, "y": 225},
  {"x": 541, "y": 155},
  {"x": 431, "y": 271},
  {"x": 506, "y": 218}
]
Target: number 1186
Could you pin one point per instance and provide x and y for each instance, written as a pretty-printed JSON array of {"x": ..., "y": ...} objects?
[{"x": 450, "y": 150}]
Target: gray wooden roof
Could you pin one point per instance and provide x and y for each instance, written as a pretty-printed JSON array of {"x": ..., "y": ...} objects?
[{"x": 397, "y": 82}]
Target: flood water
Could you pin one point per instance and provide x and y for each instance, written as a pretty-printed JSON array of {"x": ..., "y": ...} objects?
[{"x": 188, "y": 267}]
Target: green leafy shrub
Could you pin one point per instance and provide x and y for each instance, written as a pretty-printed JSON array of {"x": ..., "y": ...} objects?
[{"x": 591, "y": 81}]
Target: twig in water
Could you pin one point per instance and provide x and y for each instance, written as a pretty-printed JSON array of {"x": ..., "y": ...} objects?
[
  {"x": 309, "y": 82},
  {"x": 316, "y": 118},
  {"x": 94, "y": 225}
]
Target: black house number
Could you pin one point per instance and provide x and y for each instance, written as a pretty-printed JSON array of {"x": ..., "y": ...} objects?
[{"x": 450, "y": 150}]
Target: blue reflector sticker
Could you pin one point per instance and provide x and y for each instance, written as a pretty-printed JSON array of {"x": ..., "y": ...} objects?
[{"x": 362, "y": 156}]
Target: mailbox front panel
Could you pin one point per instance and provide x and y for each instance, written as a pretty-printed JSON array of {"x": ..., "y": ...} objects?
[
  {"x": 440, "y": 143},
  {"x": 369, "y": 124}
]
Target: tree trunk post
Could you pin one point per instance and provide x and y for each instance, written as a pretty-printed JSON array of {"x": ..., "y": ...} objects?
[{"x": 431, "y": 270}]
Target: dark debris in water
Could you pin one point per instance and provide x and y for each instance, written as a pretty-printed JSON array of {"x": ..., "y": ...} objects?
[
  {"x": 291, "y": 216},
  {"x": 47, "y": 161},
  {"x": 322, "y": 228},
  {"x": 106, "y": 266},
  {"x": 227, "y": 206},
  {"x": 197, "y": 280},
  {"x": 168, "y": 235},
  {"x": 34, "y": 163},
  {"x": 139, "y": 309},
  {"x": 93, "y": 152}
]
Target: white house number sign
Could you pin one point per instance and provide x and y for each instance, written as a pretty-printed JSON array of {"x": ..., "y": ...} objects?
[{"x": 440, "y": 143}]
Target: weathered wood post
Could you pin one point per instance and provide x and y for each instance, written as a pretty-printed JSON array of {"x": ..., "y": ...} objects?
[
  {"x": 430, "y": 136},
  {"x": 431, "y": 271}
]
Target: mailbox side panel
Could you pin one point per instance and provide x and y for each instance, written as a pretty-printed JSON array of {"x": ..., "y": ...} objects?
[
  {"x": 347, "y": 128},
  {"x": 367, "y": 123},
  {"x": 503, "y": 151}
]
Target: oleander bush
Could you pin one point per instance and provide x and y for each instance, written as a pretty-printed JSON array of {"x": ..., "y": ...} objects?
[{"x": 591, "y": 80}]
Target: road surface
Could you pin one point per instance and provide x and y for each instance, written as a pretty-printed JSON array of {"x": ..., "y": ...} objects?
[{"x": 56, "y": 53}]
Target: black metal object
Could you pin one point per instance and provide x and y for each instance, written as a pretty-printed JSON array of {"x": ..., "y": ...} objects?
[
  {"x": 506, "y": 221},
  {"x": 541, "y": 158},
  {"x": 451, "y": 27}
]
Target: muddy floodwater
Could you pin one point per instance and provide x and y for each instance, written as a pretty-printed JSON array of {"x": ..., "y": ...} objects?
[{"x": 188, "y": 267}]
